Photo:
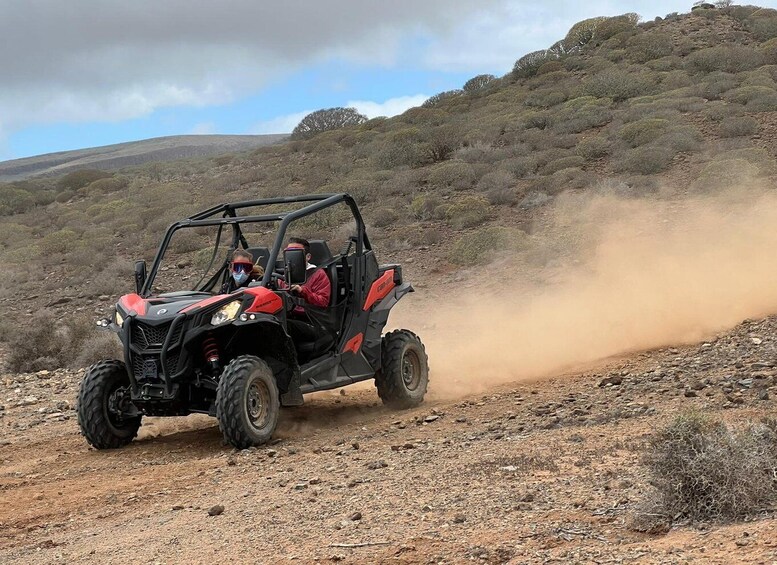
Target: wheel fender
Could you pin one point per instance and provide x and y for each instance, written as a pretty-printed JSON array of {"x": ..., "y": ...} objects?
[{"x": 388, "y": 302}]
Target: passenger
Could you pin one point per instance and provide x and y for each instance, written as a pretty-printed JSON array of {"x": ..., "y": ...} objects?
[{"x": 242, "y": 271}]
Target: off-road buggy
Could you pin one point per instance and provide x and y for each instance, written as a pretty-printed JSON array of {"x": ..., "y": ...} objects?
[{"x": 231, "y": 355}]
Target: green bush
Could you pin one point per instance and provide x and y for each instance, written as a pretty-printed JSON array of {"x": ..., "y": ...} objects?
[
  {"x": 384, "y": 216},
  {"x": 482, "y": 246},
  {"x": 726, "y": 58},
  {"x": 701, "y": 469},
  {"x": 615, "y": 26},
  {"x": 468, "y": 212},
  {"x": 754, "y": 98},
  {"x": 104, "y": 186},
  {"x": 79, "y": 179},
  {"x": 645, "y": 160},
  {"x": 738, "y": 126},
  {"x": 643, "y": 131},
  {"x": 763, "y": 24},
  {"x": 681, "y": 138},
  {"x": 521, "y": 166},
  {"x": 452, "y": 174},
  {"x": 496, "y": 180},
  {"x": 722, "y": 174},
  {"x": 617, "y": 84},
  {"x": 648, "y": 46},
  {"x": 528, "y": 65},
  {"x": 60, "y": 241},
  {"x": 545, "y": 97},
  {"x": 572, "y": 161},
  {"x": 592, "y": 148},
  {"x": 426, "y": 206},
  {"x": 578, "y": 120}
]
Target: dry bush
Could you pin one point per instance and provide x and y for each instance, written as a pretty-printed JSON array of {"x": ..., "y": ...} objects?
[
  {"x": 426, "y": 207},
  {"x": 726, "y": 58},
  {"x": 723, "y": 174},
  {"x": 452, "y": 174},
  {"x": 763, "y": 24},
  {"x": 683, "y": 139},
  {"x": 648, "y": 46},
  {"x": 643, "y": 131},
  {"x": 617, "y": 26},
  {"x": 593, "y": 148},
  {"x": 521, "y": 167},
  {"x": 496, "y": 180},
  {"x": 645, "y": 160},
  {"x": 617, "y": 84},
  {"x": 42, "y": 343},
  {"x": 580, "y": 119},
  {"x": 754, "y": 98},
  {"x": 564, "y": 163},
  {"x": 483, "y": 245},
  {"x": 545, "y": 97},
  {"x": 701, "y": 469},
  {"x": 383, "y": 217},
  {"x": 737, "y": 127},
  {"x": 468, "y": 212}
]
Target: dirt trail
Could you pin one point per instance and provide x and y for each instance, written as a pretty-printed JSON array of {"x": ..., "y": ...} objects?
[{"x": 527, "y": 473}]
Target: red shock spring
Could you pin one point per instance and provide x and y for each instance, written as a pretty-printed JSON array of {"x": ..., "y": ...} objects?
[{"x": 210, "y": 349}]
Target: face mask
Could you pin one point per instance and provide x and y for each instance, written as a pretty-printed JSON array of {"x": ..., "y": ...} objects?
[{"x": 239, "y": 277}]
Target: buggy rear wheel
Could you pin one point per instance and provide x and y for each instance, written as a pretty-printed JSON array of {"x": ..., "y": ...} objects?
[
  {"x": 404, "y": 375},
  {"x": 105, "y": 414},
  {"x": 247, "y": 402}
]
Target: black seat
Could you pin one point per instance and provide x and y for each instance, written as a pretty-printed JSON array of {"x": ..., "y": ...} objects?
[{"x": 260, "y": 255}]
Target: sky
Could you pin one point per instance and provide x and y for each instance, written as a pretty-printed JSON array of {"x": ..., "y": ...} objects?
[{"x": 84, "y": 73}]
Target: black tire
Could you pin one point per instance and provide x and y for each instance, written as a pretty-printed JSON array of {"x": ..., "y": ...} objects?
[
  {"x": 404, "y": 375},
  {"x": 247, "y": 402},
  {"x": 103, "y": 427}
]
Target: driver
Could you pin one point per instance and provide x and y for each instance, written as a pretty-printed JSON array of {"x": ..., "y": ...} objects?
[{"x": 242, "y": 271}]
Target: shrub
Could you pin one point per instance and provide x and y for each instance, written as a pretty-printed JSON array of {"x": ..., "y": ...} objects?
[
  {"x": 643, "y": 131},
  {"x": 426, "y": 207},
  {"x": 539, "y": 120},
  {"x": 468, "y": 212},
  {"x": 521, "y": 166},
  {"x": 384, "y": 216},
  {"x": 727, "y": 58},
  {"x": 737, "y": 127},
  {"x": 43, "y": 343},
  {"x": 616, "y": 84},
  {"x": 79, "y": 179},
  {"x": 441, "y": 97},
  {"x": 645, "y": 160},
  {"x": 593, "y": 148},
  {"x": 528, "y": 65},
  {"x": 754, "y": 98},
  {"x": 571, "y": 161},
  {"x": 401, "y": 148},
  {"x": 763, "y": 25},
  {"x": 583, "y": 118},
  {"x": 648, "y": 46},
  {"x": 682, "y": 139},
  {"x": 703, "y": 470},
  {"x": 496, "y": 180},
  {"x": 722, "y": 174},
  {"x": 550, "y": 67},
  {"x": 617, "y": 25},
  {"x": 478, "y": 83},
  {"x": 452, "y": 174},
  {"x": 545, "y": 97},
  {"x": 326, "y": 120},
  {"x": 482, "y": 246}
]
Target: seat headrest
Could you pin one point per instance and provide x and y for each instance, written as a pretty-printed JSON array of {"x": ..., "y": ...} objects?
[
  {"x": 260, "y": 255},
  {"x": 319, "y": 252}
]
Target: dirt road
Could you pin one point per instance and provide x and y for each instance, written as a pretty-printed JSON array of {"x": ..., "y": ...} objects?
[{"x": 528, "y": 473}]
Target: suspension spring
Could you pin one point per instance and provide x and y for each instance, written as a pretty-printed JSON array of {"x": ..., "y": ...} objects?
[{"x": 210, "y": 350}]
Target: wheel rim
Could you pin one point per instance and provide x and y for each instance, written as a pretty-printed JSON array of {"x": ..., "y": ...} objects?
[
  {"x": 115, "y": 401},
  {"x": 411, "y": 369},
  {"x": 258, "y": 403}
]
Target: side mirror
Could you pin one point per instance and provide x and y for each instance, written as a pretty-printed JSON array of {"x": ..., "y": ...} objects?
[
  {"x": 295, "y": 266},
  {"x": 140, "y": 275}
]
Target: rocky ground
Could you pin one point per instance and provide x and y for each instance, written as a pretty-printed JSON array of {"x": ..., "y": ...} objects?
[{"x": 537, "y": 472}]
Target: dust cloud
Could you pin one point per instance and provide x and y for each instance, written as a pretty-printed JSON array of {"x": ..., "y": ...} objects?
[{"x": 617, "y": 275}]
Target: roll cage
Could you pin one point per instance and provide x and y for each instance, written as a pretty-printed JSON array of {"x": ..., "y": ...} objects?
[{"x": 227, "y": 215}]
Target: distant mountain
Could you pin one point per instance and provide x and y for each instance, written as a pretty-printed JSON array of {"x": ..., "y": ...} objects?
[{"x": 110, "y": 157}]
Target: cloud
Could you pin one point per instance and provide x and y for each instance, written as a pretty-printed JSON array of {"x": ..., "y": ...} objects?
[
  {"x": 203, "y": 128},
  {"x": 281, "y": 124},
  {"x": 80, "y": 61},
  {"x": 390, "y": 107}
]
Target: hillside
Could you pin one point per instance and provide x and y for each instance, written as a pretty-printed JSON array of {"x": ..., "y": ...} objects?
[
  {"x": 590, "y": 237},
  {"x": 117, "y": 156}
]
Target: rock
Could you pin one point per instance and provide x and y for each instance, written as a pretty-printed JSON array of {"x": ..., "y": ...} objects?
[
  {"x": 459, "y": 519},
  {"x": 377, "y": 465},
  {"x": 300, "y": 486},
  {"x": 356, "y": 516},
  {"x": 355, "y": 445},
  {"x": 28, "y": 401},
  {"x": 216, "y": 510},
  {"x": 461, "y": 420},
  {"x": 763, "y": 395},
  {"x": 177, "y": 507},
  {"x": 272, "y": 453},
  {"x": 756, "y": 340},
  {"x": 614, "y": 380},
  {"x": 690, "y": 394},
  {"x": 431, "y": 418}
]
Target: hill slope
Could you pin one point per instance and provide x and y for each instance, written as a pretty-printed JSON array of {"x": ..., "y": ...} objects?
[{"x": 112, "y": 157}]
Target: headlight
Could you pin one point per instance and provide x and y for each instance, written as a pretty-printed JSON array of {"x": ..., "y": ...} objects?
[
  {"x": 119, "y": 319},
  {"x": 226, "y": 313}
]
